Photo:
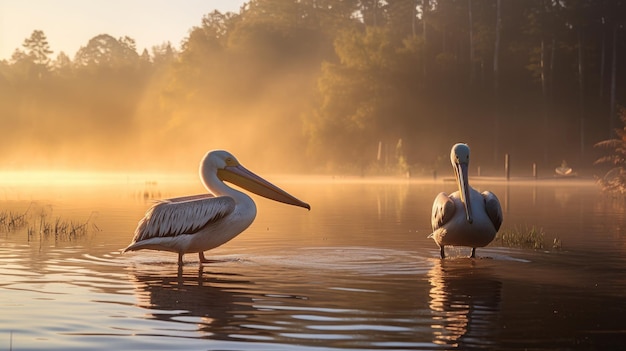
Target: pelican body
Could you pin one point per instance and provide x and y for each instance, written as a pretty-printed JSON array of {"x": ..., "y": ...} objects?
[
  {"x": 196, "y": 223},
  {"x": 465, "y": 217}
]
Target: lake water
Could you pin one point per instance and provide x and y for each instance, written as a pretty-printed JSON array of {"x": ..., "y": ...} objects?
[{"x": 356, "y": 272}]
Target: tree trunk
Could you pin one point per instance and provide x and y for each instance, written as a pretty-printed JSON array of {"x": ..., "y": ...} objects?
[
  {"x": 496, "y": 83},
  {"x": 581, "y": 93},
  {"x": 544, "y": 93},
  {"x": 544, "y": 88},
  {"x": 602, "y": 61},
  {"x": 425, "y": 7},
  {"x": 613, "y": 81},
  {"x": 414, "y": 19},
  {"x": 471, "y": 43},
  {"x": 496, "y": 51}
]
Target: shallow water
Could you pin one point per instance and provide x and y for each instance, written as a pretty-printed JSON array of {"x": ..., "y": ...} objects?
[{"x": 356, "y": 272}]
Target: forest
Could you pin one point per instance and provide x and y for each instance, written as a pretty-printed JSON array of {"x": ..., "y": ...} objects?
[{"x": 327, "y": 86}]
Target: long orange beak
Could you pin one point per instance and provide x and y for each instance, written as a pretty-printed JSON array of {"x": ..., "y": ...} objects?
[{"x": 244, "y": 178}]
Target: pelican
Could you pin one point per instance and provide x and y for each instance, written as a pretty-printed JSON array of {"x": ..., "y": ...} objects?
[
  {"x": 202, "y": 222},
  {"x": 465, "y": 217}
]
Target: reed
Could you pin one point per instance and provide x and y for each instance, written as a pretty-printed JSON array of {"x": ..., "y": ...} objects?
[
  {"x": 12, "y": 221},
  {"x": 524, "y": 237},
  {"x": 60, "y": 229},
  {"x": 42, "y": 226}
]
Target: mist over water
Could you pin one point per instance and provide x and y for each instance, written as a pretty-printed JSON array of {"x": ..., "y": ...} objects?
[
  {"x": 363, "y": 103},
  {"x": 301, "y": 87},
  {"x": 75, "y": 134}
]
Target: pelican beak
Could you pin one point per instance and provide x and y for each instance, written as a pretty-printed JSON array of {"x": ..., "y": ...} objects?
[
  {"x": 462, "y": 177},
  {"x": 244, "y": 178}
]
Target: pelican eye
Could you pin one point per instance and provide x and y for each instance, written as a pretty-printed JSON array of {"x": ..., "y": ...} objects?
[{"x": 230, "y": 161}]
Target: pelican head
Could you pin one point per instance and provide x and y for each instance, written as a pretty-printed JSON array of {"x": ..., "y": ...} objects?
[
  {"x": 459, "y": 156},
  {"x": 224, "y": 166}
]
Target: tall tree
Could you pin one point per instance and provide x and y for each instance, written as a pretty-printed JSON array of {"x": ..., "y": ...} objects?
[
  {"x": 496, "y": 51},
  {"x": 106, "y": 51},
  {"x": 37, "y": 48},
  {"x": 34, "y": 60},
  {"x": 496, "y": 82},
  {"x": 612, "y": 114},
  {"x": 425, "y": 19},
  {"x": 471, "y": 42},
  {"x": 62, "y": 64},
  {"x": 402, "y": 18},
  {"x": 357, "y": 98}
]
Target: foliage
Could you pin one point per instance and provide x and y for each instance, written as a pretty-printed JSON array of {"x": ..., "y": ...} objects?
[
  {"x": 353, "y": 93},
  {"x": 614, "y": 180},
  {"x": 323, "y": 83},
  {"x": 104, "y": 50},
  {"x": 34, "y": 61},
  {"x": 37, "y": 48}
]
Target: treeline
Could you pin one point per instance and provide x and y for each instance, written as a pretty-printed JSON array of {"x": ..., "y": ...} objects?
[{"x": 323, "y": 85}]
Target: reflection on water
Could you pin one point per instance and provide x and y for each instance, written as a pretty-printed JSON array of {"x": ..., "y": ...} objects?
[
  {"x": 357, "y": 272},
  {"x": 297, "y": 297},
  {"x": 192, "y": 298},
  {"x": 465, "y": 303}
]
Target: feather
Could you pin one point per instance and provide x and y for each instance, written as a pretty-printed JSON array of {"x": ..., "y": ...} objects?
[
  {"x": 184, "y": 215},
  {"x": 493, "y": 209},
  {"x": 443, "y": 210}
]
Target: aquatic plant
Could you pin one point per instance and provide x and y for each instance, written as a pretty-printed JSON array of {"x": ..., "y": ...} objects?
[
  {"x": 11, "y": 221},
  {"x": 614, "y": 180},
  {"x": 60, "y": 229},
  {"x": 530, "y": 238},
  {"x": 40, "y": 224}
]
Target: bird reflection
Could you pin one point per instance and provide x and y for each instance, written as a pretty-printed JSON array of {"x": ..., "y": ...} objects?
[
  {"x": 209, "y": 300},
  {"x": 465, "y": 303}
]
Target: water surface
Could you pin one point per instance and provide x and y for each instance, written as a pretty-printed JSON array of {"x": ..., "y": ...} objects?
[{"x": 356, "y": 272}]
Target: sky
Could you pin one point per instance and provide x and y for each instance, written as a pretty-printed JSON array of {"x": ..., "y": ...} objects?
[{"x": 70, "y": 24}]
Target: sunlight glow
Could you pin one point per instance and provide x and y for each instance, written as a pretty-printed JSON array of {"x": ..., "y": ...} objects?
[
  {"x": 70, "y": 24},
  {"x": 56, "y": 177}
]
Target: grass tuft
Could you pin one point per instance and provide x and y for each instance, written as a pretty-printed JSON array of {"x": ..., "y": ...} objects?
[
  {"x": 44, "y": 227},
  {"x": 524, "y": 237}
]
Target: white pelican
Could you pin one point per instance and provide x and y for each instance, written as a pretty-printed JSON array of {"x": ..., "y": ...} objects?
[
  {"x": 465, "y": 217},
  {"x": 198, "y": 223}
]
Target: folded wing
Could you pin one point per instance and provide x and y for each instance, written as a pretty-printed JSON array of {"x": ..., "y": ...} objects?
[
  {"x": 443, "y": 210},
  {"x": 493, "y": 208},
  {"x": 183, "y": 215}
]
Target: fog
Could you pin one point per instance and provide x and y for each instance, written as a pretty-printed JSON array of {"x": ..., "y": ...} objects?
[
  {"x": 344, "y": 89},
  {"x": 101, "y": 120}
]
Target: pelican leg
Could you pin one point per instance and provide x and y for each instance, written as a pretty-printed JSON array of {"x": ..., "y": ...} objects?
[
  {"x": 204, "y": 259},
  {"x": 473, "y": 253},
  {"x": 442, "y": 252},
  {"x": 180, "y": 259}
]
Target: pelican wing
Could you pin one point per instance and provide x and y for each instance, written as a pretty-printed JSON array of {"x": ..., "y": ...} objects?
[
  {"x": 443, "y": 210},
  {"x": 188, "y": 198},
  {"x": 492, "y": 206},
  {"x": 183, "y": 215}
]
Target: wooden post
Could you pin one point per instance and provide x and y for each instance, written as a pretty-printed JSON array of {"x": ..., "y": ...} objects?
[
  {"x": 534, "y": 170},
  {"x": 507, "y": 172}
]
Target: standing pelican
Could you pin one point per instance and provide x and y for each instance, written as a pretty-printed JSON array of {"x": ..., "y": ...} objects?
[
  {"x": 198, "y": 223},
  {"x": 466, "y": 217}
]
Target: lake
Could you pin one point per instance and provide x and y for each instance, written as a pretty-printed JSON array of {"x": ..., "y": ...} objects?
[{"x": 357, "y": 272}]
